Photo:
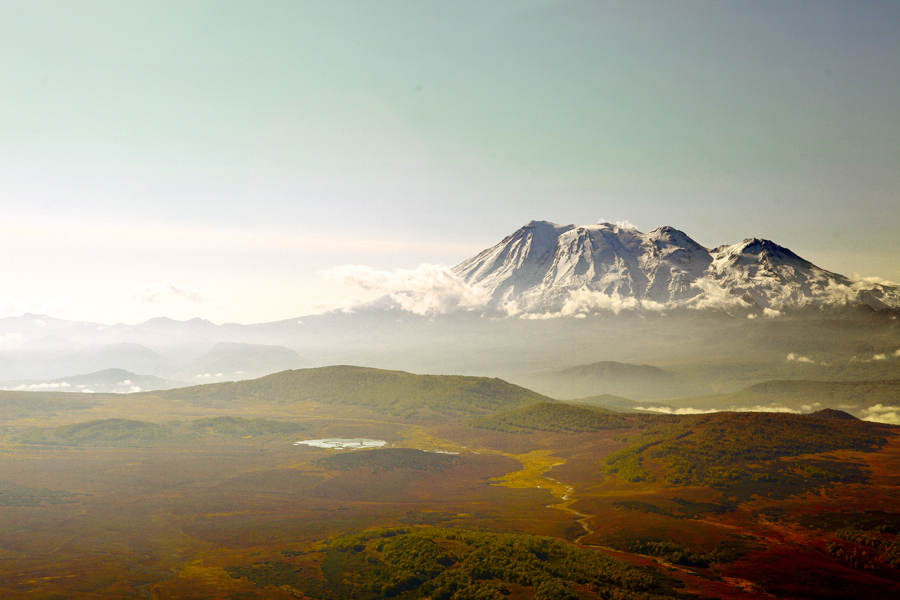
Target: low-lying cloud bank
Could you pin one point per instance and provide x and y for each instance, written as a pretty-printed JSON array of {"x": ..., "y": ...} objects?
[
  {"x": 425, "y": 290},
  {"x": 875, "y": 414},
  {"x": 62, "y": 385},
  {"x": 882, "y": 414},
  {"x": 792, "y": 357},
  {"x": 431, "y": 289},
  {"x": 668, "y": 410},
  {"x": 699, "y": 411},
  {"x": 125, "y": 387},
  {"x": 162, "y": 290}
]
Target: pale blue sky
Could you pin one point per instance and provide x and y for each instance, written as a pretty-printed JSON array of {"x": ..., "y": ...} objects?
[{"x": 238, "y": 149}]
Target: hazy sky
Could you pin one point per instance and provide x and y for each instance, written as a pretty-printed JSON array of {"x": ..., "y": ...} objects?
[{"x": 213, "y": 158}]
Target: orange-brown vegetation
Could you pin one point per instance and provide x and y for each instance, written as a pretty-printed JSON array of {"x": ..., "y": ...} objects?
[{"x": 190, "y": 499}]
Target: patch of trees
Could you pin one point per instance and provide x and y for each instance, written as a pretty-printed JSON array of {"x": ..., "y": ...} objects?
[
  {"x": 874, "y": 520},
  {"x": 677, "y": 554},
  {"x": 555, "y": 416},
  {"x": 861, "y": 538},
  {"x": 102, "y": 431},
  {"x": 681, "y": 508},
  {"x": 14, "y": 494},
  {"x": 388, "y": 459},
  {"x": 866, "y": 548},
  {"x": 241, "y": 427},
  {"x": 448, "y": 564},
  {"x": 725, "y": 450},
  {"x": 628, "y": 462},
  {"x": 18, "y": 405}
]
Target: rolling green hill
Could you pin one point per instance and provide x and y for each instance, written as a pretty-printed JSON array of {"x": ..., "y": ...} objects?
[
  {"x": 555, "y": 416},
  {"x": 241, "y": 427},
  {"x": 619, "y": 404},
  {"x": 456, "y": 563},
  {"x": 17, "y": 405},
  {"x": 393, "y": 392},
  {"x": 98, "y": 432},
  {"x": 728, "y": 450},
  {"x": 127, "y": 432}
]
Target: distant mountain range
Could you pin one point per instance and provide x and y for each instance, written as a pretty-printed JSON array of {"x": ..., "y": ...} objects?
[
  {"x": 637, "y": 382},
  {"x": 618, "y": 296},
  {"x": 548, "y": 269},
  {"x": 107, "y": 381},
  {"x": 43, "y": 353}
]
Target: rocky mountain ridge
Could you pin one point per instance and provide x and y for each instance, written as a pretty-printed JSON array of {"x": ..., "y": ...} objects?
[{"x": 545, "y": 269}]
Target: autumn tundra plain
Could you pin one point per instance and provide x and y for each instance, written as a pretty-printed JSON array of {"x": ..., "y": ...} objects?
[{"x": 483, "y": 489}]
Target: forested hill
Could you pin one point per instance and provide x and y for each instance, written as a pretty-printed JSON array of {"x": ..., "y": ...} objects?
[
  {"x": 394, "y": 392},
  {"x": 559, "y": 416}
]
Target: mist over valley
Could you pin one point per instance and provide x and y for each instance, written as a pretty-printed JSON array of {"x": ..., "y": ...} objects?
[{"x": 315, "y": 300}]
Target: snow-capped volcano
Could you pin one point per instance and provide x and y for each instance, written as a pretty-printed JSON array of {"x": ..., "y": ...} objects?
[{"x": 544, "y": 268}]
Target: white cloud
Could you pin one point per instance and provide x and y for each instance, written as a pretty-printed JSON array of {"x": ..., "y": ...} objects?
[
  {"x": 427, "y": 289},
  {"x": 131, "y": 390},
  {"x": 587, "y": 301},
  {"x": 42, "y": 386},
  {"x": 882, "y": 414},
  {"x": 876, "y": 357},
  {"x": 582, "y": 302},
  {"x": 869, "y": 283},
  {"x": 800, "y": 359},
  {"x": 772, "y": 409},
  {"x": 838, "y": 292},
  {"x": 345, "y": 305},
  {"x": 160, "y": 290},
  {"x": 676, "y": 411},
  {"x": 697, "y": 411},
  {"x": 714, "y": 296},
  {"x": 619, "y": 224}
]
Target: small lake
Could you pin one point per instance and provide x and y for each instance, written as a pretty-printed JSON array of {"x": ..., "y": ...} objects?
[{"x": 343, "y": 443}]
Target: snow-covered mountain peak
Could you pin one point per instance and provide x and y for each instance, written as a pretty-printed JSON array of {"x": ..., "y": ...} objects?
[
  {"x": 544, "y": 268},
  {"x": 761, "y": 250}
]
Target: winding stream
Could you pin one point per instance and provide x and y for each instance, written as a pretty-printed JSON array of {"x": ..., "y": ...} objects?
[{"x": 582, "y": 519}]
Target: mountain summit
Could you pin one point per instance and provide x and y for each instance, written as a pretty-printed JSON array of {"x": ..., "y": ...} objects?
[{"x": 549, "y": 269}]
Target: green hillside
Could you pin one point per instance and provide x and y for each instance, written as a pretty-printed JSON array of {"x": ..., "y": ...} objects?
[
  {"x": 619, "y": 404},
  {"x": 241, "y": 427},
  {"x": 444, "y": 564},
  {"x": 100, "y": 432},
  {"x": 14, "y": 494},
  {"x": 730, "y": 449},
  {"x": 17, "y": 405},
  {"x": 555, "y": 416},
  {"x": 393, "y": 392}
]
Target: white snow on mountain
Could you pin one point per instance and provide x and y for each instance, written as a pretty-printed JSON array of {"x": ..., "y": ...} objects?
[{"x": 544, "y": 269}]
